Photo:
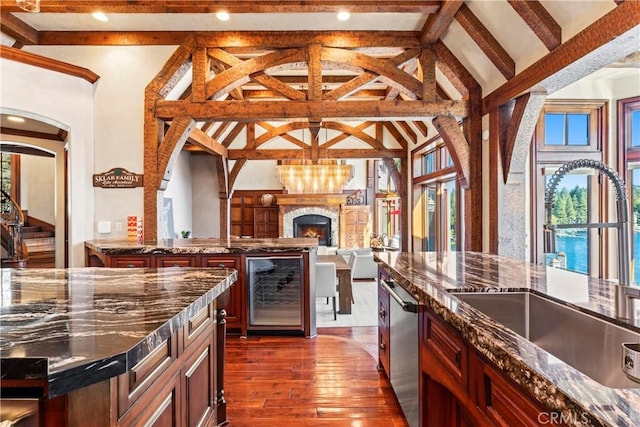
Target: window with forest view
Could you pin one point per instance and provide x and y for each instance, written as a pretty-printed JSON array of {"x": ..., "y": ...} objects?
[
  {"x": 629, "y": 136},
  {"x": 569, "y": 130}
]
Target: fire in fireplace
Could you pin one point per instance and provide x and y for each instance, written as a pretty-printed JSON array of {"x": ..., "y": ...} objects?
[{"x": 313, "y": 226}]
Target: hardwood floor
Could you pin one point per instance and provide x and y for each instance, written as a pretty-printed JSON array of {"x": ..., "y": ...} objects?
[{"x": 330, "y": 380}]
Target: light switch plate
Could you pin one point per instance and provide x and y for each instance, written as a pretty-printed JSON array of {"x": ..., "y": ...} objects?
[{"x": 104, "y": 227}]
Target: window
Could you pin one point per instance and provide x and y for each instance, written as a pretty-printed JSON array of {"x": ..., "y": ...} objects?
[
  {"x": 10, "y": 175},
  {"x": 437, "y": 185},
  {"x": 566, "y": 129},
  {"x": 629, "y": 140},
  {"x": 569, "y": 130}
]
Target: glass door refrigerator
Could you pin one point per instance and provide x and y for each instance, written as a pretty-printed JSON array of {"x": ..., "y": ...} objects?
[{"x": 275, "y": 287}]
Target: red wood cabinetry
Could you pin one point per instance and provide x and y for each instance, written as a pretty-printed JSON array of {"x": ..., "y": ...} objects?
[
  {"x": 236, "y": 307},
  {"x": 265, "y": 222},
  {"x": 459, "y": 387}
]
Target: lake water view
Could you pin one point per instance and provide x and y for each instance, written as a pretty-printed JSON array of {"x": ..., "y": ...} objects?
[{"x": 575, "y": 246}]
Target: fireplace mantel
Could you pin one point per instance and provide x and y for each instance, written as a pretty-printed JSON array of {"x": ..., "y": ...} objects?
[{"x": 311, "y": 199}]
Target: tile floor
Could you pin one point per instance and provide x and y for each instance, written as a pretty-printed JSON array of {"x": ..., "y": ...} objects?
[{"x": 364, "y": 312}]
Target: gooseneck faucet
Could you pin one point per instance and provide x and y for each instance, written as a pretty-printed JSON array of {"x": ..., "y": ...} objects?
[{"x": 624, "y": 292}]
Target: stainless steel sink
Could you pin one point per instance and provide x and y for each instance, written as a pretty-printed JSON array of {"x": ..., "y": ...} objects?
[{"x": 591, "y": 345}]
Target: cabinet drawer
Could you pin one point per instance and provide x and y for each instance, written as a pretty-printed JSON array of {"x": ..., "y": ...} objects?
[
  {"x": 130, "y": 262},
  {"x": 506, "y": 405},
  {"x": 199, "y": 322},
  {"x": 176, "y": 261},
  {"x": 134, "y": 383},
  {"x": 214, "y": 261},
  {"x": 447, "y": 346}
]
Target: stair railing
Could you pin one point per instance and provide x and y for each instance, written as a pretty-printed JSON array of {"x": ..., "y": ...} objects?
[{"x": 12, "y": 221}]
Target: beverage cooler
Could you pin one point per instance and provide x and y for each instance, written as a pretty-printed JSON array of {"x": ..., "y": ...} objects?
[{"x": 275, "y": 287}]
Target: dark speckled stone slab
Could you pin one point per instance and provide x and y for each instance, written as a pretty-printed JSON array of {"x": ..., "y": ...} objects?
[
  {"x": 432, "y": 276},
  {"x": 202, "y": 246},
  {"x": 75, "y": 327}
]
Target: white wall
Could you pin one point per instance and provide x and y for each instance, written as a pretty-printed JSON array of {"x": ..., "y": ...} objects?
[
  {"x": 67, "y": 101},
  {"x": 179, "y": 190},
  {"x": 206, "y": 198},
  {"x": 118, "y": 103}
]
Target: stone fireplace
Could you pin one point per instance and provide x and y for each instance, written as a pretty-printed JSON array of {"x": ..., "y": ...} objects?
[{"x": 306, "y": 213}]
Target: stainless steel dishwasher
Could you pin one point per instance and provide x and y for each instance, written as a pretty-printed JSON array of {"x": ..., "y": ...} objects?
[{"x": 403, "y": 349}]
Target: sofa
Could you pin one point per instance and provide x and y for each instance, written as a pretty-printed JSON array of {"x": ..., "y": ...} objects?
[{"x": 361, "y": 262}]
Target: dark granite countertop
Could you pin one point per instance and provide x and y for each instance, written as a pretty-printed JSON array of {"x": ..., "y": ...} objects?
[
  {"x": 74, "y": 327},
  {"x": 202, "y": 246},
  {"x": 581, "y": 400}
]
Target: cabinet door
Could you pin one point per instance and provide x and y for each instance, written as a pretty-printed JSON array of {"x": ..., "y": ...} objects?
[
  {"x": 355, "y": 227},
  {"x": 449, "y": 349},
  {"x": 130, "y": 261},
  {"x": 176, "y": 261},
  {"x": 199, "y": 384},
  {"x": 265, "y": 222},
  {"x": 236, "y": 308}
]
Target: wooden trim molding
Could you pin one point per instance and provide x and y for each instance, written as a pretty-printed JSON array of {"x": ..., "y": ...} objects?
[{"x": 47, "y": 63}]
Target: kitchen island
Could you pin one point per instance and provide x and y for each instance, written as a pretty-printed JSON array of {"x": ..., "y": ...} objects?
[
  {"x": 487, "y": 374},
  {"x": 102, "y": 346},
  {"x": 288, "y": 284}
]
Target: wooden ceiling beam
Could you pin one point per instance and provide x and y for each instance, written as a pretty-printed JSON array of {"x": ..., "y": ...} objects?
[
  {"x": 260, "y": 111},
  {"x": 540, "y": 21},
  {"x": 485, "y": 40},
  {"x": 210, "y": 145},
  {"x": 231, "y": 6},
  {"x": 437, "y": 24},
  {"x": 288, "y": 154},
  {"x": 35, "y": 60},
  {"x": 399, "y": 137},
  {"x": 609, "y": 38},
  {"x": 349, "y": 87},
  {"x": 458, "y": 147},
  {"x": 259, "y": 77},
  {"x": 454, "y": 70},
  {"x": 516, "y": 144},
  {"x": 17, "y": 29},
  {"x": 233, "y": 39}
]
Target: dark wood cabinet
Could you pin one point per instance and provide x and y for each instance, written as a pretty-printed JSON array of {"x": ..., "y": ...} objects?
[
  {"x": 265, "y": 222},
  {"x": 175, "y": 385},
  {"x": 459, "y": 387},
  {"x": 236, "y": 308}
]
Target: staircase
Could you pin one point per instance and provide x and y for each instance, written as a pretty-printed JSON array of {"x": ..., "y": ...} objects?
[{"x": 41, "y": 244}]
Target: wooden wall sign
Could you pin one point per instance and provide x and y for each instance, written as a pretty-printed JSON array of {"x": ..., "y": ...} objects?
[{"x": 117, "y": 178}]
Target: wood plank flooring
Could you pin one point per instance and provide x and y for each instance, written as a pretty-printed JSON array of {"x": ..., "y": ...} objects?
[{"x": 330, "y": 380}]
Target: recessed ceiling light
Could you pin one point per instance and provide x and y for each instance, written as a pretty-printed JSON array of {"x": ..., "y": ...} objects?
[
  {"x": 100, "y": 16},
  {"x": 222, "y": 16},
  {"x": 343, "y": 15},
  {"x": 15, "y": 119}
]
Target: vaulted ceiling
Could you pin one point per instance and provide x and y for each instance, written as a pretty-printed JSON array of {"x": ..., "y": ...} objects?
[
  {"x": 399, "y": 71},
  {"x": 376, "y": 55}
]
